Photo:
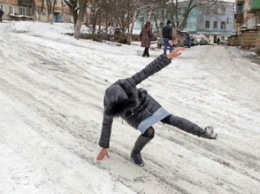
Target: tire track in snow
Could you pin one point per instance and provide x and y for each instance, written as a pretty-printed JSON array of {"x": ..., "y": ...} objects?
[
  {"x": 233, "y": 158},
  {"x": 58, "y": 121}
]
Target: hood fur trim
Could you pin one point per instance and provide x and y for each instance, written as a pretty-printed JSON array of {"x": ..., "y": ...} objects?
[{"x": 116, "y": 107}]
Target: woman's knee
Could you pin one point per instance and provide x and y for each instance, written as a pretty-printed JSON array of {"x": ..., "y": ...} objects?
[
  {"x": 149, "y": 132},
  {"x": 166, "y": 120}
]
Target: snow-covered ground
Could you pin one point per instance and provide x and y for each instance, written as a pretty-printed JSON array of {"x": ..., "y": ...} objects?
[{"x": 51, "y": 97}]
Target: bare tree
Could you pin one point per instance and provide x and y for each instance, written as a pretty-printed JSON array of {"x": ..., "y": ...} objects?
[
  {"x": 50, "y": 8},
  {"x": 96, "y": 8},
  {"x": 72, "y": 4},
  {"x": 179, "y": 11},
  {"x": 77, "y": 10},
  {"x": 41, "y": 10},
  {"x": 34, "y": 10},
  {"x": 125, "y": 12},
  {"x": 81, "y": 12},
  {"x": 122, "y": 13}
]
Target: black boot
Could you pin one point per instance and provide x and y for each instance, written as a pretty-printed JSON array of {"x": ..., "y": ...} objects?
[
  {"x": 208, "y": 132},
  {"x": 190, "y": 127},
  {"x": 147, "y": 52},
  {"x": 139, "y": 145},
  {"x": 144, "y": 53}
]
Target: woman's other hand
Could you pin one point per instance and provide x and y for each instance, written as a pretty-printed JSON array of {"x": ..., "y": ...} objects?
[{"x": 175, "y": 53}]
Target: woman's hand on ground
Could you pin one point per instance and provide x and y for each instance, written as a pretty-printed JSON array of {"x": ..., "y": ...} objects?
[{"x": 102, "y": 154}]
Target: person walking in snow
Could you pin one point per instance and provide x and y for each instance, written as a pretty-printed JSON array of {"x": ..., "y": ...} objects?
[
  {"x": 146, "y": 37},
  {"x": 167, "y": 37},
  {"x": 218, "y": 40},
  {"x": 141, "y": 110},
  {"x": 1, "y": 15}
]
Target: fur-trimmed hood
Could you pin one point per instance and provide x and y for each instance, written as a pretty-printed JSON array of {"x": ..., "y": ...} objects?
[{"x": 119, "y": 97}]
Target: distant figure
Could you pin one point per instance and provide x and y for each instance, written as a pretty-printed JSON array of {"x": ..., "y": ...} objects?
[
  {"x": 167, "y": 36},
  {"x": 146, "y": 37},
  {"x": 218, "y": 40},
  {"x": 1, "y": 15}
]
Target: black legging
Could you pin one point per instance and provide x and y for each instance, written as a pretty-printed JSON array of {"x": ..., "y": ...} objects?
[
  {"x": 149, "y": 132},
  {"x": 178, "y": 122},
  {"x": 183, "y": 124},
  {"x": 146, "y": 51}
]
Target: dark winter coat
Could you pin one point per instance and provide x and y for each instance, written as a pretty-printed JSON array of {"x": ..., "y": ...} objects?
[
  {"x": 1, "y": 12},
  {"x": 133, "y": 104},
  {"x": 167, "y": 32},
  {"x": 146, "y": 37}
]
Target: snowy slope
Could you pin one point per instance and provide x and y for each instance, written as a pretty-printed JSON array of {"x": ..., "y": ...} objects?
[{"x": 51, "y": 93}]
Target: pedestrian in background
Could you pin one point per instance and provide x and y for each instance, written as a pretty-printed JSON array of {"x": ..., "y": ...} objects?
[
  {"x": 218, "y": 40},
  {"x": 146, "y": 37},
  {"x": 167, "y": 37},
  {"x": 1, "y": 15}
]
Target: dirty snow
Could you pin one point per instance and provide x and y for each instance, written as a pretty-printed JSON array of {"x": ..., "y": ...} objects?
[{"x": 51, "y": 92}]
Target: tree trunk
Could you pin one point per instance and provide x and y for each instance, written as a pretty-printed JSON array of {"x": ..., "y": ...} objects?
[
  {"x": 78, "y": 28},
  {"x": 94, "y": 22},
  {"x": 51, "y": 18},
  {"x": 132, "y": 26},
  {"x": 82, "y": 10},
  {"x": 150, "y": 14},
  {"x": 177, "y": 13}
]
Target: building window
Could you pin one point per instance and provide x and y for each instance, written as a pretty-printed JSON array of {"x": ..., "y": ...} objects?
[
  {"x": 2, "y": 7},
  {"x": 11, "y": 10},
  {"x": 223, "y": 25},
  {"x": 207, "y": 24},
  {"x": 215, "y": 25},
  {"x": 22, "y": 11},
  {"x": 239, "y": 8}
]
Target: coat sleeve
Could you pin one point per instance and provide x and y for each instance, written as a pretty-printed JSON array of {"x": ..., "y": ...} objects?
[
  {"x": 152, "y": 68},
  {"x": 106, "y": 131}
]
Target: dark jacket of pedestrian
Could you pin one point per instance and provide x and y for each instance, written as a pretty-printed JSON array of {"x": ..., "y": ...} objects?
[
  {"x": 167, "y": 30},
  {"x": 218, "y": 40},
  {"x": 1, "y": 14},
  {"x": 146, "y": 35}
]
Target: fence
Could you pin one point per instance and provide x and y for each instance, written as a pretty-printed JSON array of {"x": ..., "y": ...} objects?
[
  {"x": 234, "y": 40},
  {"x": 248, "y": 38}
]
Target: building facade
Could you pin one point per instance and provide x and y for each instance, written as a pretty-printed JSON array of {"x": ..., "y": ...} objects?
[
  {"x": 34, "y": 10},
  {"x": 247, "y": 15},
  {"x": 214, "y": 21}
]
